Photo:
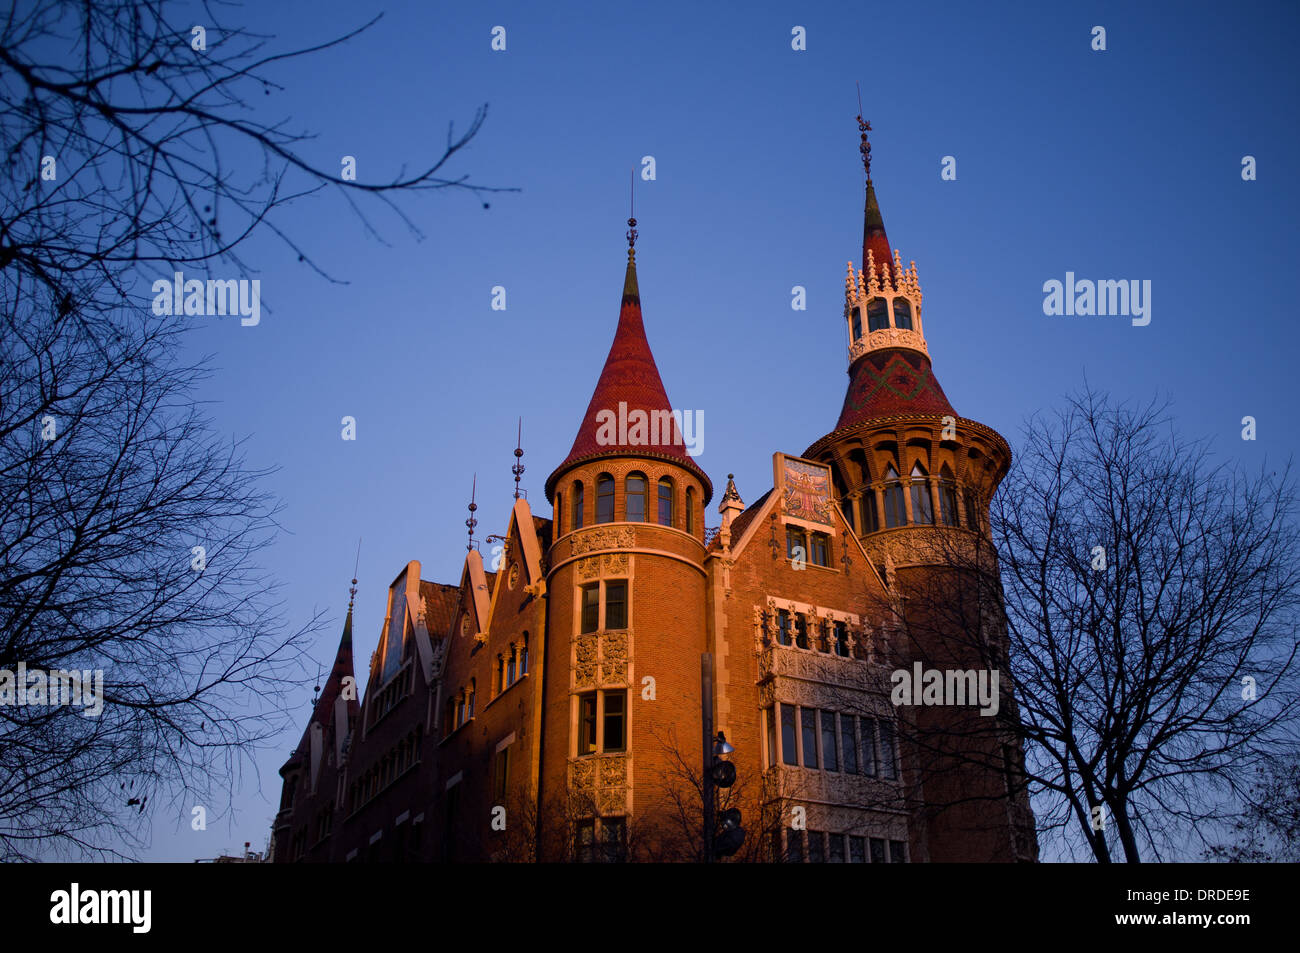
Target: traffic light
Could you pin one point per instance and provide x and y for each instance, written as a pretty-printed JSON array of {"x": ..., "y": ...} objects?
[{"x": 729, "y": 836}]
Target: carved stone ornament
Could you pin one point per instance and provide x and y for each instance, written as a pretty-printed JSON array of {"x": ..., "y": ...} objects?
[{"x": 586, "y": 542}]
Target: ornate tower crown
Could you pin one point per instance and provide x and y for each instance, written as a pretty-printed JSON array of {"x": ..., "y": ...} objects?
[{"x": 882, "y": 301}]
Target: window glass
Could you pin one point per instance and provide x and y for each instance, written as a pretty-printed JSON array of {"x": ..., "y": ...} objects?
[
  {"x": 577, "y": 505},
  {"x": 605, "y": 499},
  {"x": 690, "y": 509},
  {"x": 877, "y": 314},
  {"x": 922, "y": 507},
  {"x": 836, "y": 844},
  {"x": 789, "y": 745},
  {"x": 888, "y": 766},
  {"x": 821, "y": 548},
  {"x": 590, "y": 607},
  {"x": 903, "y": 314},
  {"x": 808, "y": 721},
  {"x": 848, "y": 744},
  {"x": 829, "y": 758},
  {"x": 616, "y": 604},
  {"x": 816, "y": 849},
  {"x": 666, "y": 502},
  {"x": 857, "y": 850},
  {"x": 615, "y": 710},
  {"x": 636, "y": 491},
  {"x": 587, "y": 723}
]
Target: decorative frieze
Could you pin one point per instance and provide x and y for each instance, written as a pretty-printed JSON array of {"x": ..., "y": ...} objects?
[{"x": 586, "y": 541}]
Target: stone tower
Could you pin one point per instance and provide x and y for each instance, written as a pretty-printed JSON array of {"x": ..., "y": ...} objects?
[
  {"x": 914, "y": 479},
  {"x": 626, "y": 596}
]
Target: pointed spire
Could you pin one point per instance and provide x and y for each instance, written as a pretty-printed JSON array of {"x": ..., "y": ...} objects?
[
  {"x": 731, "y": 495},
  {"x": 874, "y": 240},
  {"x": 629, "y": 389}
]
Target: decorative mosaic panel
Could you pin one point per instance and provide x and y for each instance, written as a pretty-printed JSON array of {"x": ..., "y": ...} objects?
[{"x": 805, "y": 491}]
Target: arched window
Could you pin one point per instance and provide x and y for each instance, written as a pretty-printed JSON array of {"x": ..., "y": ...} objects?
[
  {"x": 665, "y": 502},
  {"x": 501, "y": 673},
  {"x": 604, "y": 498},
  {"x": 922, "y": 506},
  {"x": 895, "y": 515},
  {"x": 510, "y": 666},
  {"x": 636, "y": 498},
  {"x": 577, "y": 505},
  {"x": 857, "y": 323},
  {"x": 947, "y": 497},
  {"x": 523, "y": 656},
  {"x": 469, "y": 699},
  {"x": 877, "y": 314},
  {"x": 846, "y": 507},
  {"x": 559, "y": 512},
  {"x": 972, "y": 510},
  {"x": 690, "y": 510},
  {"x": 903, "y": 314}
]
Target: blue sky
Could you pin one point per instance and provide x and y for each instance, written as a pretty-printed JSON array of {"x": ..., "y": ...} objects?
[{"x": 1117, "y": 164}]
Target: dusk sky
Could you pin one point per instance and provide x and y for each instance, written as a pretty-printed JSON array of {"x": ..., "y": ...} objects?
[{"x": 1117, "y": 164}]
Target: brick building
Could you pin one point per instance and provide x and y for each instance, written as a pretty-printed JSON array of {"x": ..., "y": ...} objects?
[{"x": 551, "y": 709}]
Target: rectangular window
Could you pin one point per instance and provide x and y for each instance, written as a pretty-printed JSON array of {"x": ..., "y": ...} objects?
[
  {"x": 877, "y": 850},
  {"x": 794, "y": 847},
  {"x": 888, "y": 764},
  {"x": 808, "y": 721},
  {"x": 841, "y": 640},
  {"x": 823, "y": 637},
  {"x": 612, "y": 830},
  {"x": 587, "y": 723},
  {"x": 615, "y": 715},
  {"x": 868, "y": 746},
  {"x": 616, "y": 604},
  {"x": 769, "y": 716},
  {"x": 847, "y": 507},
  {"x": 783, "y": 626},
  {"x": 836, "y": 843},
  {"x": 796, "y": 544},
  {"x": 821, "y": 550},
  {"x": 816, "y": 849},
  {"x": 828, "y": 741},
  {"x": 789, "y": 748},
  {"x": 857, "y": 850},
  {"x": 800, "y": 630},
  {"x": 897, "y": 852},
  {"x": 849, "y": 744},
  {"x": 590, "y": 608},
  {"x": 584, "y": 847}
]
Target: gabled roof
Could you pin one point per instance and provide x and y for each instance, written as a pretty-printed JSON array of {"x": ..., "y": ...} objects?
[{"x": 440, "y": 604}]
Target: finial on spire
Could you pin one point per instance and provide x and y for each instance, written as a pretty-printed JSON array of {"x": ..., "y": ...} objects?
[
  {"x": 518, "y": 468},
  {"x": 352, "y": 590},
  {"x": 472, "y": 522},
  {"x": 864, "y": 127},
  {"x": 631, "y": 222}
]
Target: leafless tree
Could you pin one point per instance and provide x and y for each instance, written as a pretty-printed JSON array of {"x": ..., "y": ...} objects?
[
  {"x": 1144, "y": 606},
  {"x": 135, "y": 149},
  {"x": 1268, "y": 827}
]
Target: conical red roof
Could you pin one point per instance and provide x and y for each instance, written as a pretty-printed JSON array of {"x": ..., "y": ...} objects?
[
  {"x": 629, "y": 382},
  {"x": 874, "y": 238},
  {"x": 889, "y": 383}
]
